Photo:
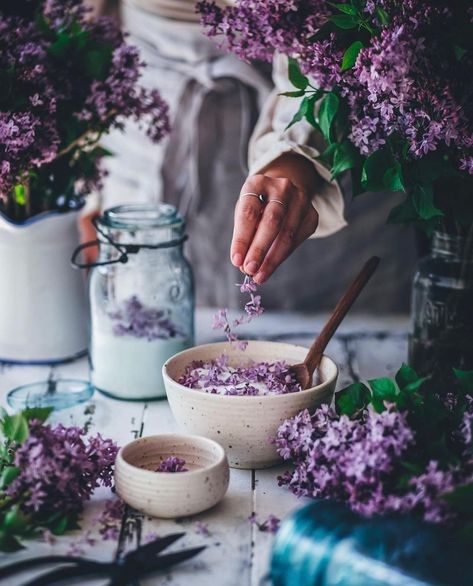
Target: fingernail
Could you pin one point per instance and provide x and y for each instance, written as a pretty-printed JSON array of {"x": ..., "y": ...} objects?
[
  {"x": 237, "y": 259},
  {"x": 259, "y": 278},
  {"x": 252, "y": 267}
]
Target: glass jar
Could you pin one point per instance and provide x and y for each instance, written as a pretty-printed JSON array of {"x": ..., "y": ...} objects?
[
  {"x": 442, "y": 307},
  {"x": 141, "y": 300}
]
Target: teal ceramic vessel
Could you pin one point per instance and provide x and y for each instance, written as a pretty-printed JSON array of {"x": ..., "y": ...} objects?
[{"x": 325, "y": 544}]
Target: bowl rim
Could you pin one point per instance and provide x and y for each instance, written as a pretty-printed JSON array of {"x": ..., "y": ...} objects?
[
  {"x": 167, "y": 378},
  {"x": 221, "y": 458}
]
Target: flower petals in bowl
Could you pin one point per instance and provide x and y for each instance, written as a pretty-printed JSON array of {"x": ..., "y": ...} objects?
[
  {"x": 243, "y": 425},
  {"x": 151, "y": 477}
]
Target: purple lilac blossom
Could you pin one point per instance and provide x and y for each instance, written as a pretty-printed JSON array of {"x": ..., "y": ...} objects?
[
  {"x": 360, "y": 462},
  {"x": 109, "y": 520},
  {"x": 150, "y": 537},
  {"x": 133, "y": 318},
  {"x": 60, "y": 469},
  {"x": 172, "y": 464},
  {"x": 219, "y": 377},
  {"x": 269, "y": 525},
  {"x": 407, "y": 82},
  {"x": 46, "y": 93},
  {"x": 253, "y": 308},
  {"x": 202, "y": 529}
]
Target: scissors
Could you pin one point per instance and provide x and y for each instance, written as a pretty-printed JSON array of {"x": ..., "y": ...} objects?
[{"x": 123, "y": 572}]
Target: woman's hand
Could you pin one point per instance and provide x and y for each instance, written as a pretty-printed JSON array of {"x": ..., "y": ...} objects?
[{"x": 266, "y": 234}]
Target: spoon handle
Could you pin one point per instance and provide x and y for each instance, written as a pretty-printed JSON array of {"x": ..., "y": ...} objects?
[{"x": 341, "y": 309}]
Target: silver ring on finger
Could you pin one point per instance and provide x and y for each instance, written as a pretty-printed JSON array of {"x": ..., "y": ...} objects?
[
  {"x": 262, "y": 198},
  {"x": 281, "y": 203}
]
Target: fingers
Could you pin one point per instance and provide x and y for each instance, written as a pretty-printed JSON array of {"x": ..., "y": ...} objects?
[
  {"x": 293, "y": 233},
  {"x": 248, "y": 212},
  {"x": 266, "y": 234},
  {"x": 281, "y": 197}
]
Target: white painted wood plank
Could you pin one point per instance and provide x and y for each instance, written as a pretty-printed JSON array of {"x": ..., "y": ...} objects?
[
  {"x": 227, "y": 559},
  {"x": 269, "y": 499}
]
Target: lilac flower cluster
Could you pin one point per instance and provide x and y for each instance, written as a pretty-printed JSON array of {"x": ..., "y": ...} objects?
[
  {"x": 135, "y": 319},
  {"x": 218, "y": 377},
  {"x": 269, "y": 525},
  {"x": 67, "y": 78},
  {"x": 60, "y": 469},
  {"x": 361, "y": 462},
  {"x": 109, "y": 520},
  {"x": 253, "y": 308},
  {"x": 202, "y": 529},
  {"x": 172, "y": 464},
  {"x": 409, "y": 84}
]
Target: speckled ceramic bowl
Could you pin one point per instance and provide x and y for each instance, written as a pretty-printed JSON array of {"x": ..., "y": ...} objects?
[
  {"x": 171, "y": 494},
  {"x": 243, "y": 425}
]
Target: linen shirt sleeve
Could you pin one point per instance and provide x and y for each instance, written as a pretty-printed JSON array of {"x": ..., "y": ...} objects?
[{"x": 270, "y": 140}]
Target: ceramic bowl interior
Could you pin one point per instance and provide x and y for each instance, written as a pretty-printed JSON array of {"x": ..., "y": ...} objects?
[
  {"x": 244, "y": 425},
  {"x": 199, "y": 453},
  {"x": 172, "y": 494}
]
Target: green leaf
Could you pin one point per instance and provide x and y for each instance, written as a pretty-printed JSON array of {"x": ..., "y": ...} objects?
[
  {"x": 352, "y": 399},
  {"x": 61, "y": 45},
  {"x": 382, "y": 16},
  {"x": 414, "y": 386},
  {"x": 382, "y": 172},
  {"x": 20, "y": 194},
  {"x": 423, "y": 202},
  {"x": 413, "y": 467},
  {"x": 344, "y": 21},
  {"x": 461, "y": 499},
  {"x": 405, "y": 376},
  {"x": 9, "y": 543},
  {"x": 351, "y": 54},
  {"x": 296, "y": 77},
  {"x": 373, "y": 171},
  {"x": 9, "y": 473},
  {"x": 459, "y": 52},
  {"x": 383, "y": 389},
  {"x": 59, "y": 525},
  {"x": 309, "y": 114},
  {"x": 327, "y": 112},
  {"x": 97, "y": 63},
  {"x": 38, "y": 413},
  {"x": 15, "y": 521},
  {"x": 101, "y": 151},
  {"x": 15, "y": 428},
  {"x": 465, "y": 379},
  {"x": 301, "y": 112},
  {"x": 345, "y": 157},
  {"x": 345, "y": 8},
  {"x": 392, "y": 178},
  {"x": 297, "y": 94}
]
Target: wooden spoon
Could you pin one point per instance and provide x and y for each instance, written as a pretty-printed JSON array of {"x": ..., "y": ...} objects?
[{"x": 305, "y": 370}]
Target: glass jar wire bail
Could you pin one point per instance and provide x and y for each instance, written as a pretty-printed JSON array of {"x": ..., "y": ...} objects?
[{"x": 124, "y": 249}]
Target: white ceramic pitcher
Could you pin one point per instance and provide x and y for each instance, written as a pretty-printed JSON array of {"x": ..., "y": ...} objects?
[{"x": 43, "y": 302}]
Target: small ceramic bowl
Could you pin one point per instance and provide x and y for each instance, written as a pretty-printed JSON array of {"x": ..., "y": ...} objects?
[
  {"x": 171, "y": 494},
  {"x": 243, "y": 425}
]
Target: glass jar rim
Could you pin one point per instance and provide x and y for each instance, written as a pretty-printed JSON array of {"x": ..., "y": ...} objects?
[{"x": 142, "y": 216}]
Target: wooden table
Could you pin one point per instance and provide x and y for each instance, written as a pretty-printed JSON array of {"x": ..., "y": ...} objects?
[{"x": 237, "y": 553}]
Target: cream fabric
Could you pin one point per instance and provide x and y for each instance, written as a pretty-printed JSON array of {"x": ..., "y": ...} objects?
[{"x": 182, "y": 10}]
